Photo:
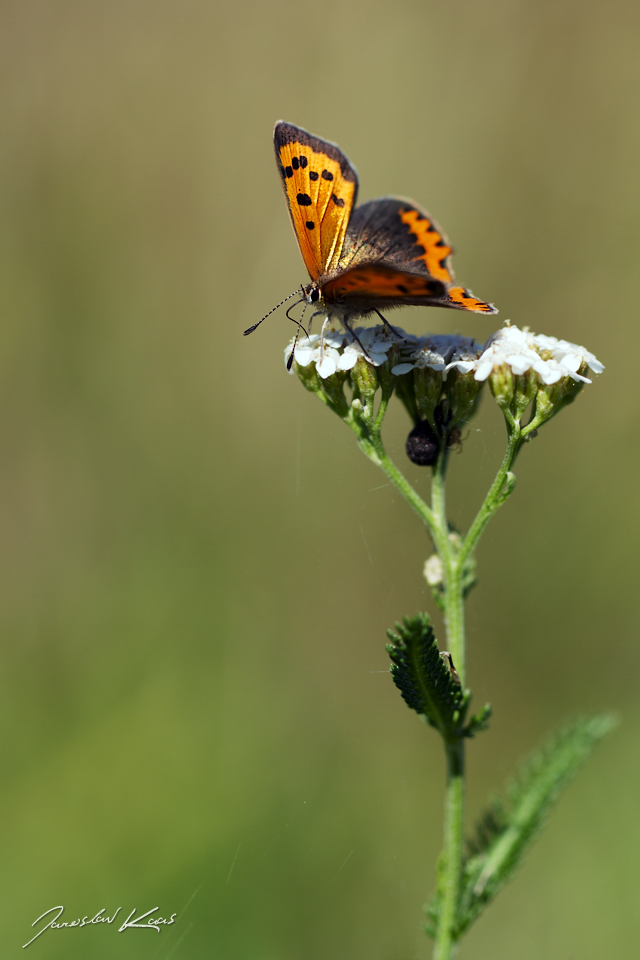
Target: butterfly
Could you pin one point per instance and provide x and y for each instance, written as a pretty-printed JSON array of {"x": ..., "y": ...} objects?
[{"x": 385, "y": 253}]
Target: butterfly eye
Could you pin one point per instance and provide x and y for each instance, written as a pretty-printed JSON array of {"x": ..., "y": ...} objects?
[{"x": 312, "y": 293}]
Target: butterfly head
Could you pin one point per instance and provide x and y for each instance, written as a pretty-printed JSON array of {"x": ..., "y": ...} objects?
[{"x": 311, "y": 292}]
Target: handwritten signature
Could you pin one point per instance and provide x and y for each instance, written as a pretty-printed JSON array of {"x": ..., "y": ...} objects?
[{"x": 153, "y": 923}]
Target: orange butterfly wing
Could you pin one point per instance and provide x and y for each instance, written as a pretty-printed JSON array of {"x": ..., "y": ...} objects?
[
  {"x": 394, "y": 253},
  {"x": 321, "y": 187},
  {"x": 377, "y": 281}
]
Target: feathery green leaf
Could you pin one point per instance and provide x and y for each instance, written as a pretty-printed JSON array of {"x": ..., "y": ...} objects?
[
  {"x": 510, "y": 824},
  {"x": 425, "y": 677}
]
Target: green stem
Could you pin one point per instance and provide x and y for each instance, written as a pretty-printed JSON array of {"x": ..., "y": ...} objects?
[
  {"x": 500, "y": 490},
  {"x": 370, "y": 442},
  {"x": 435, "y": 519},
  {"x": 450, "y": 871},
  {"x": 452, "y": 567},
  {"x": 454, "y": 558}
]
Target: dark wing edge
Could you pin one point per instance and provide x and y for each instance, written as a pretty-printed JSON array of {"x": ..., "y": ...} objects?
[{"x": 288, "y": 133}]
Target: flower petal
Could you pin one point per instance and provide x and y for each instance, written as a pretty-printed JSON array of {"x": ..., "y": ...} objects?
[
  {"x": 348, "y": 359},
  {"x": 401, "y": 368},
  {"x": 326, "y": 366}
]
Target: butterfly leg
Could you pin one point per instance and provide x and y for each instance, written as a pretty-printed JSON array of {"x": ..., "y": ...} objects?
[
  {"x": 387, "y": 324},
  {"x": 325, "y": 324},
  {"x": 316, "y": 313},
  {"x": 356, "y": 338}
]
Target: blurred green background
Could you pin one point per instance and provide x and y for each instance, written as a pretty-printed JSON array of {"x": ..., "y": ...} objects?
[{"x": 198, "y": 567}]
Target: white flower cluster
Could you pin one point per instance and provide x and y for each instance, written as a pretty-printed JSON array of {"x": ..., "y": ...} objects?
[
  {"x": 438, "y": 352},
  {"x": 550, "y": 358},
  {"x": 335, "y": 351}
]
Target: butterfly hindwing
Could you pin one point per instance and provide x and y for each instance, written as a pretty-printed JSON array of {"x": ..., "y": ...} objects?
[
  {"x": 395, "y": 253},
  {"x": 372, "y": 285},
  {"x": 395, "y": 231},
  {"x": 320, "y": 186},
  {"x": 460, "y": 298}
]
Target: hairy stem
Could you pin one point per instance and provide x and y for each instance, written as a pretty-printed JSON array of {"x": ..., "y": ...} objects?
[
  {"x": 500, "y": 490},
  {"x": 454, "y": 556},
  {"x": 452, "y": 568},
  {"x": 435, "y": 519},
  {"x": 370, "y": 442},
  {"x": 450, "y": 870}
]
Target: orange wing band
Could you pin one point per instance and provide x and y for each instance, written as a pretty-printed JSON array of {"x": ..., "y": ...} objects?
[
  {"x": 467, "y": 301},
  {"x": 436, "y": 250}
]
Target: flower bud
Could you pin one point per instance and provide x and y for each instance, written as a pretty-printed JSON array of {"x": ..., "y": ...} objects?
[
  {"x": 524, "y": 390},
  {"x": 433, "y": 570},
  {"x": 386, "y": 379},
  {"x": 427, "y": 384},
  {"x": 463, "y": 393},
  {"x": 308, "y": 376},
  {"x": 552, "y": 397},
  {"x": 501, "y": 384},
  {"x": 427, "y": 357},
  {"x": 333, "y": 389},
  {"x": 364, "y": 377}
]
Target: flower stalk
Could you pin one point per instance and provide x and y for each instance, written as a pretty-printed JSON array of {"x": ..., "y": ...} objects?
[{"x": 439, "y": 381}]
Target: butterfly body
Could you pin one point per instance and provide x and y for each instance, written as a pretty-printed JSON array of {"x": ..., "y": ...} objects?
[{"x": 385, "y": 253}]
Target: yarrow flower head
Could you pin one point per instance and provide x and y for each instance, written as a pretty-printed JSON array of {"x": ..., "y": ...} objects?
[
  {"x": 326, "y": 361},
  {"x": 522, "y": 367},
  {"x": 439, "y": 378},
  {"x": 334, "y": 351},
  {"x": 423, "y": 373}
]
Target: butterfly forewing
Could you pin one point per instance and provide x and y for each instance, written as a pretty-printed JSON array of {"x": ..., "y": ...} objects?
[{"x": 320, "y": 186}]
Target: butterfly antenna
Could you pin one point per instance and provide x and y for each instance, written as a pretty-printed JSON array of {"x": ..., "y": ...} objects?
[
  {"x": 277, "y": 307},
  {"x": 293, "y": 319},
  {"x": 300, "y": 327},
  {"x": 387, "y": 324}
]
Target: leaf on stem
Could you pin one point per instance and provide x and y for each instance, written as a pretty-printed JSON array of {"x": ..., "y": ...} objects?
[
  {"x": 480, "y": 722},
  {"x": 512, "y": 822},
  {"x": 426, "y": 678}
]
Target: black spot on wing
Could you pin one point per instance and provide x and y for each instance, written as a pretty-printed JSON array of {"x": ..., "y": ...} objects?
[
  {"x": 309, "y": 224},
  {"x": 295, "y": 163},
  {"x": 313, "y": 175},
  {"x": 304, "y": 200},
  {"x": 339, "y": 202},
  {"x": 327, "y": 175},
  {"x": 288, "y": 172},
  {"x": 303, "y": 161},
  {"x": 401, "y": 287}
]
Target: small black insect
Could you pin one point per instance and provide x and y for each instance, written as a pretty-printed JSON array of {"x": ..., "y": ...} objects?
[{"x": 423, "y": 445}]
